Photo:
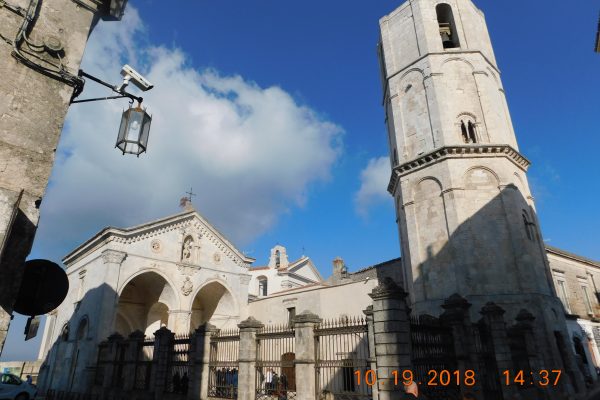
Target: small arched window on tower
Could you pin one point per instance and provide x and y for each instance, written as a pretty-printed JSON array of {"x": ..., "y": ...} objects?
[
  {"x": 277, "y": 259},
  {"x": 529, "y": 226},
  {"x": 262, "y": 286},
  {"x": 447, "y": 26},
  {"x": 395, "y": 157},
  {"x": 467, "y": 131}
]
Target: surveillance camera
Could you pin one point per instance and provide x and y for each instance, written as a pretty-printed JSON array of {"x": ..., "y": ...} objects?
[{"x": 130, "y": 74}]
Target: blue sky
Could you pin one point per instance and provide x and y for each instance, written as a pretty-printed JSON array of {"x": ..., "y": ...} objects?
[{"x": 290, "y": 100}]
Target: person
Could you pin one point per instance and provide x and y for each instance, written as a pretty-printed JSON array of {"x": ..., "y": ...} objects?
[
  {"x": 29, "y": 380},
  {"x": 268, "y": 380},
  {"x": 411, "y": 391},
  {"x": 184, "y": 383}
]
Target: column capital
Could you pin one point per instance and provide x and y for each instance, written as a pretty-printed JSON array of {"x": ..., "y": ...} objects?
[
  {"x": 524, "y": 319},
  {"x": 306, "y": 317},
  {"x": 368, "y": 311},
  {"x": 457, "y": 308},
  {"x": 113, "y": 256},
  {"x": 387, "y": 289},
  {"x": 250, "y": 323}
]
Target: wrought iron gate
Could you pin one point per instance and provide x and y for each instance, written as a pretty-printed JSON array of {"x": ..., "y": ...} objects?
[
  {"x": 342, "y": 349},
  {"x": 275, "y": 370},
  {"x": 223, "y": 364},
  {"x": 177, "y": 377},
  {"x": 432, "y": 350},
  {"x": 487, "y": 371}
]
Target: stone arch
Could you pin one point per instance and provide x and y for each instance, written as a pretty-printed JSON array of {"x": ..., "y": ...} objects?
[
  {"x": 467, "y": 127},
  {"x": 480, "y": 177},
  {"x": 461, "y": 59},
  {"x": 427, "y": 188},
  {"x": 82, "y": 328},
  {"x": 215, "y": 304},
  {"x": 176, "y": 301},
  {"x": 144, "y": 302},
  {"x": 415, "y": 136}
]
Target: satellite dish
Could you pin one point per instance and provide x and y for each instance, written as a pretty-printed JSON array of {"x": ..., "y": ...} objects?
[{"x": 44, "y": 287}]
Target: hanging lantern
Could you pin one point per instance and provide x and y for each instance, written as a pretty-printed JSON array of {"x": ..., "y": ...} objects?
[{"x": 134, "y": 131}]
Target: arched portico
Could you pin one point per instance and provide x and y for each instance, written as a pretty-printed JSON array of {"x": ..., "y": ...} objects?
[
  {"x": 214, "y": 303},
  {"x": 144, "y": 304}
]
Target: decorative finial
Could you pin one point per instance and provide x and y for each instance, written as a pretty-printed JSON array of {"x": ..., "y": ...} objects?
[{"x": 186, "y": 201}]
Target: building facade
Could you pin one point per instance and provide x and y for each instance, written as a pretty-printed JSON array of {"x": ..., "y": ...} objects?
[{"x": 42, "y": 47}]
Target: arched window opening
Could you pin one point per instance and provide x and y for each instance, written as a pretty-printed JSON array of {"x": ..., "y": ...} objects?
[
  {"x": 277, "y": 259},
  {"x": 82, "y": 329},
  {"x": 472, "y": 137},
  {"x": 262, "y": 286},
  {"x": 447, "y": 27},
  {"x": 64, "y": 335},
  {"x": 463, "y": 131},
  {"x": 579, "y": 350},
  {"x": 186, "y": 249},
  {"x": 529, "y": 227},
  {"x": 395, "y": 157}
]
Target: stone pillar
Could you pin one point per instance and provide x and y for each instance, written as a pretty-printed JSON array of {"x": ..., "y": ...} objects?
[
  {"x": 179, "y": 320},
  {"x": 391, "y": 327},
  {"x": 163, "y": 345},
  {"x": 371, "y": 338},
  {"x": 493, "y": 317},
  {"x": 109, "y": 368},
  {"x": 199, "y": 358},
  {"x": 112, "y": 260},
  {"x": 134, "y": 343},
  {"x": 247, "y": 358},
  {"x": 457, "y": 317},
  {"x": 304, "y": 325}
]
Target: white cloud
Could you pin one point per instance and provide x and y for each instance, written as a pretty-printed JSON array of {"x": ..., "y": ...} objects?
[
  {"x": 249, "y": 152},
  {"x": 374, "y": 179}
]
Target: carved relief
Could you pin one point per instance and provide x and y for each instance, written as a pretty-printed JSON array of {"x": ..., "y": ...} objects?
[
  {"x": 113, "y": 256},
  {"x": 187, "y": 287},
  {"x": 187, "y": 270},
  {"x": 156, "y": 246}
]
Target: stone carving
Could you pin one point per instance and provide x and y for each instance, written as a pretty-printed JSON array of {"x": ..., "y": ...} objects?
[
  {"x": 217, "y": 257},
  {"x": 187, "y": 270},
  {"x": 113, "y": 256},
  {"x": 156, "y": 246},
  {"x": 186, "y": 251},
  {"x": 187, "y": 287}
]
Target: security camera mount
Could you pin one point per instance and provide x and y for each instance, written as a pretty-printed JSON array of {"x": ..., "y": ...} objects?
[{"x": 120, "y": 89}]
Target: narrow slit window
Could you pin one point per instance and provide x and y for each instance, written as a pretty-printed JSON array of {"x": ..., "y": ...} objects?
[
  {"x": 463, "y": 130},
  {"x": 447, "y": 26},
  {"x": 472, "y": 137}
]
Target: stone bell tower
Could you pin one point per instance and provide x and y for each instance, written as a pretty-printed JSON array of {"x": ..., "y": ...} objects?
[{"x": 465, "y": 213}]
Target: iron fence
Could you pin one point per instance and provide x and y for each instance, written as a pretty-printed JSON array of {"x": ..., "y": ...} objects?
[
  {"x": 63, "y": 395},
  {"x": 275, "y": 369},
  {"x": 432, "y": 350},
  {"x": 223, "y": 364},
  {"x": 342, "y": 351},
  {"x": 102, "y": 363},
  {"x": 487, "y": 370},
  {"x": 177, "y": 377},
  {"x": 143, "y": 364}
]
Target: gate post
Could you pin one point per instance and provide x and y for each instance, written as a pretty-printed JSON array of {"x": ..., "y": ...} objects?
[
  {"x": 493, "y": 316},
  {"x": 247, "y": 358},
  {"x": 109, "y": 370},
  {"x": 391, "y": 326},
  {"x": 304, "y": 325},
  {"x": 371, "y": 338},
  {"x": 457, "y": 317},
  {"x": 163, "y": 346},
  {"x": 200, "y": 358},
  {"x": 134, "y": 343}
]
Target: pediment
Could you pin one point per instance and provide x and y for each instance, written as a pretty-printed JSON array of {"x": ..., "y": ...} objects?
[{"x": 189, "y": 223}]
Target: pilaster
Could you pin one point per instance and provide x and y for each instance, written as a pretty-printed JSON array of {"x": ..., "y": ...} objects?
[
  {"x": 247, "y": 358},
  {"x": 304, "y": 326}
]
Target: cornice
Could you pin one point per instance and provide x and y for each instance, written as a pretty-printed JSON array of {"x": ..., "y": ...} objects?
[{"x": 451, "y": 152}]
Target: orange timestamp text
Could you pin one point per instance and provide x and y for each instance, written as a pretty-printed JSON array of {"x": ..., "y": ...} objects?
[
  {"x": 543, "y": 377},
  {"x": 406, "y": 377}
]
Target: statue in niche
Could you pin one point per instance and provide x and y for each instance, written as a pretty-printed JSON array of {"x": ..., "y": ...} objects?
[{"x": 186, "y": 251}]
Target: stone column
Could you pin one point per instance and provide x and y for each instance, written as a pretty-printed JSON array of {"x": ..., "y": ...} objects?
[
  {"x": 391, "y": 327},
  {"x": 304, "y": 325},
  {"x": 247, "y": 358},
  {"x": 457, "y": 317},
  {"x": 371, "y": 338},
  {"x": 493, "y": 316},
  {"x": 112, "y": 260},
  {"x": 134, "y": 343},
  {"x": 163, "y": 345},
  {"x": 179, "y": 321},
  {"x": 199, "y": 358}
]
